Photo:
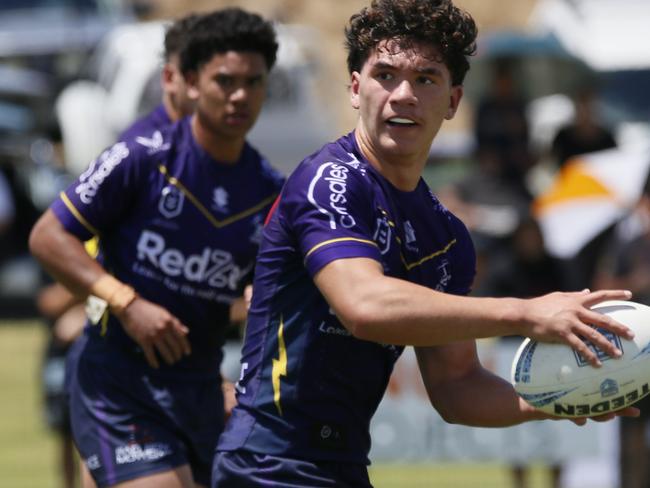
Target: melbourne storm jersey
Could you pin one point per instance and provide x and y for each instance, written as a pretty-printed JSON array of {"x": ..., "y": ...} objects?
[
  {"x": 178, "y": 226},
  {"x": 308, "y": 388},
  {"x": 155, "y": 120}
]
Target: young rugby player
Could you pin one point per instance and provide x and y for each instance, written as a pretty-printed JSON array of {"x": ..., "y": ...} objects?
[
  {"x": 178, "y": 239},
  {"x": 359, "y": 259}
]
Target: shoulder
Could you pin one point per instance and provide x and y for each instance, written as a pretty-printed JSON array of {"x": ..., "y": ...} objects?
[
  {"x": 263, "y": 168},
  {"x": 146, "y": 125},
  {"x": 335, "y": 167}
]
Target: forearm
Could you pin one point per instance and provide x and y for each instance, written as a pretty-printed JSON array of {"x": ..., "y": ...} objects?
[
  {"x": 384, "y": 309},
  {"x": 482, "y": 399}
]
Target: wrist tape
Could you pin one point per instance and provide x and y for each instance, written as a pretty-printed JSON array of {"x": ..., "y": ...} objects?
[{"x": 118, "y": 295}]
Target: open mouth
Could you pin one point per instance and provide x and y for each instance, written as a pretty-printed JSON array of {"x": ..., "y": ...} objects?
[{"x": 401, "y": 122}]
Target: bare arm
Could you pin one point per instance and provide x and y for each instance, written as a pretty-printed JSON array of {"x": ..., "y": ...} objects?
[
  {"x": 463, "y": 392},
  {"x": 151, "y": 326},
  {"x": 383, "y": 309}
]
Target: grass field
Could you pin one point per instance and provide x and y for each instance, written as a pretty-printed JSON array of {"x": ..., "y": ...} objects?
[{"x": 28, "y": 450}]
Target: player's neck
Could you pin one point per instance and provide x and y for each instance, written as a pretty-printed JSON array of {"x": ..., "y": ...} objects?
[
  {"x": 402, "y": 172},
  {"x": 222, "y": 149}
]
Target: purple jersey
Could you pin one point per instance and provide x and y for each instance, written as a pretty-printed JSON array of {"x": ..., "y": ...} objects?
[
  {"x": 155, "y": 120},
  {"x": 179, "y": 227},
  {"x": 308, "y": 387}
]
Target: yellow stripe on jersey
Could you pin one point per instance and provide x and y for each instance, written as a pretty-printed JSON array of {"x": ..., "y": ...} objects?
[
  {"x": 410, "y": 266},
  {"x": 76, "y": 213},
  {"x": 92, "y": 247},
  {"x": 340, "y": 239},
  {"x": 217, "y": 223},
  {"x": 279, "y": 367}
]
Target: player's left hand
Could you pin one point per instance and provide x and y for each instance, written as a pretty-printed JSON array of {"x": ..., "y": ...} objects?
[{"x": 626, "y": 412}]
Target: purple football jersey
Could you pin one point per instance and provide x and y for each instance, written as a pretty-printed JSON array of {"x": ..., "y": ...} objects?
[
  {"x": 178, "y": 226},
  {"x": 308, "y": 388},
  {"x": 155, "y": 120}
]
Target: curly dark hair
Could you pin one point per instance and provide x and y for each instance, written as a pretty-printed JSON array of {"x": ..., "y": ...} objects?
[
  {"x": 177, "y": 33},
  {"x": 229, "y": 29},
  {"x": 436, "y": 22}
]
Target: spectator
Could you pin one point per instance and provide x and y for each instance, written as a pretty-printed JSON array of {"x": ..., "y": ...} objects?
[
  {"x": 584, "y": 134},
  {"x": 501, "y": 126},
  {"x": 626, "y": 262}
]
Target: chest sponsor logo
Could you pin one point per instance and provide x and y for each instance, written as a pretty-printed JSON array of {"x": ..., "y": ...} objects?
[
  {"x": 171, "y": 202},
  {"x": 333, "y": 204},
  {"x": 91, "y": 179},
  {"x": 215, "y": 267}
]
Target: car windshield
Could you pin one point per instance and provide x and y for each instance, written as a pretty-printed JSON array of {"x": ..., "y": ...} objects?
[{"x": 30, "y": 4}]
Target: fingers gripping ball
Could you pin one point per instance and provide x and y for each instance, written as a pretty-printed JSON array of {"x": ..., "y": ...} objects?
[{"x": 557, "y": 380}]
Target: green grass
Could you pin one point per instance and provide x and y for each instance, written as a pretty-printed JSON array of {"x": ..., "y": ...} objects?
[{"x": 28, "y": 449}]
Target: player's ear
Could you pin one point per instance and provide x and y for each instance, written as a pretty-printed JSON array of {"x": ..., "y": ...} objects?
[
  {"x": 454, "y": 100},
  {"x": 354, "y": 89},
  {"x": 192, "y": 82}
]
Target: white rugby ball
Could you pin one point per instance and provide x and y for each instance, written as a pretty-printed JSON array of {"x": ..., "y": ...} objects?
[{"x": 557, "y": 380}]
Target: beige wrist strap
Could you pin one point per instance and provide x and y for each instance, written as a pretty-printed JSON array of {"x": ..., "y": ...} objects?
[{"x": 118, "y": 295}]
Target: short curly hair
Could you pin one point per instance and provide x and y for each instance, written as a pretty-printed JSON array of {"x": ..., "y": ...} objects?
[
  {"x": 440, "y": 23},
  {"x": 176, "y": 34},
  {"x": 229, "y": 29}
]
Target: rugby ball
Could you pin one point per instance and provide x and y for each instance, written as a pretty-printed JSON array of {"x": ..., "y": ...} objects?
[{"x": 557, "y": 380}]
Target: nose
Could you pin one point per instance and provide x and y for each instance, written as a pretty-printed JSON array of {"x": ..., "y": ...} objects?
[
  {"x": 239, "y": 94},
  {"x": 404, "y": 93}
]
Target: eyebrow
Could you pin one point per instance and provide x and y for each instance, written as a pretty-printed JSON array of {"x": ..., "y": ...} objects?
[{"x": 425, "y": 71}]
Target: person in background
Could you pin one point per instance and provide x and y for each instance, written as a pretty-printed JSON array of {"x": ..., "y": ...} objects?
[
  {"x": 501, "y": 127},
  {"x": 178, "y": 243},
  {"x": 626, "y": 262},
  {"x": 584, "y": 134},
  {"x": 63, "y": 311},
  {"x": 359, "y": 259},
  {"x": 176, "y": 102}
]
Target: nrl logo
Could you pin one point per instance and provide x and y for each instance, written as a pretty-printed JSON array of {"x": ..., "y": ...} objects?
[{"x": 171, "y": 202}]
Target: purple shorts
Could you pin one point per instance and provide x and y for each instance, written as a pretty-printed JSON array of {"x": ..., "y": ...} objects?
[
  {"x": 128, "y": 423},
  {"x": 243, "y": 469}
]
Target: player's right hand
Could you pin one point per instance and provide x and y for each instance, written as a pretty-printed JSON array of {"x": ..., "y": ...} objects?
[
  {"x": 568, "y": 318},
  {"x": 155, "y": 330}
]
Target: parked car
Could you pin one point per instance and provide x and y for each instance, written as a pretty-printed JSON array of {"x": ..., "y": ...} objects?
[{"x": 56, "y": 35}]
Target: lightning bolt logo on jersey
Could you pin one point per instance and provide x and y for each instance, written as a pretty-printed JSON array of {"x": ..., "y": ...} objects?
[
  {"x": 151, "y": 198},
  {"x": 309, "y": 388}
]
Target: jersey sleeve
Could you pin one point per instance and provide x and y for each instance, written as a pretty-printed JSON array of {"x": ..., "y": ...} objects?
[
  {"x": 329, "y": 207},
  {"x": 102, "y": 193}
]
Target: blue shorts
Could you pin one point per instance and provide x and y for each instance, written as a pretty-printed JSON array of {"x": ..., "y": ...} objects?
[
  {"x": 243, "y": 469},
  {"x": 128, "y": 423}
]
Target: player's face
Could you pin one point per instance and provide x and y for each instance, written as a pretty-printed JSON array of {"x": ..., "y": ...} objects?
[
  {"x": 402, "y": 96},
  {"x": 229, "y": 92}
]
